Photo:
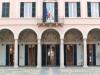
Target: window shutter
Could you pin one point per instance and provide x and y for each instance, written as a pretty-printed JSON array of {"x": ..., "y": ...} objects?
[
  {"x": 26, "y": 55},
  {"x": 33, "y": 9},
  {"x": 99, "y": 9},
  {"x": 56, "y": 12},
  {"x": 5, "y": 9},
  {"x": 57, "y": 55},
  {"x": 44, "y": 10},
  {"x": 7, "y": 55},
  {"x": 65, "y": 54},
  {"x": 94, "y": 54},
  {"x": 66, "y": 9},
  {"x": 89, "y": 9},
  {"x": 75, "y": 54},
  {"x": 78, "y": 9},
  {"x": 44, "y": 63},
  {"x": 22, "y": 9},
  {"x": 35, "y": 55}
]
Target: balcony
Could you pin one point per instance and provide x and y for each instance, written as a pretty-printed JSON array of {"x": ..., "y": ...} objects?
[{"x": 58, "y": 23}]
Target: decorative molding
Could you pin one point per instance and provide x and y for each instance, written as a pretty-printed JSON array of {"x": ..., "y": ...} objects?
[
  {"x": 56, "y": 24},
  {"x": 50, "y": 36},
  {"x": 6, "y": 35},
  {"x": 27, "y": 36}
]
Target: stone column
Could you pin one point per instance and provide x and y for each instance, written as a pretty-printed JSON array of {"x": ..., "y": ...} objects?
[
  {"x": 39, "y": 8},
  {"x": 61, "y": 5},
  {"x": 16, "y": 53},
  {"x": 85, "y": 52},
  {"x": 39, "y": 54},
  {"x": 62, "y": 53}
]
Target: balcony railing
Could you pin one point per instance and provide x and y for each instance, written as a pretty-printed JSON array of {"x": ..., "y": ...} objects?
[{"x": 59, "y": 23}]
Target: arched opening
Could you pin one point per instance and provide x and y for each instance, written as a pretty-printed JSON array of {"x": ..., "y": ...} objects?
[
  {"x": 6, "y": 47},
  {"x": 73, "y": 48},
  {"x": 27, "y": 48},
  {"x": 93, "y": 47},
  {"x": 50, "y": 48}
]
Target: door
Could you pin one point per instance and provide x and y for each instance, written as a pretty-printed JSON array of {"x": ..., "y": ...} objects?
[
  {"x": 50, "y": 55},
  {"x": 70, "y": 55},
  {"x": 91, "y": 54},
  {"x": 9, "y": 54},
  {"x": 30, "y": 55}
]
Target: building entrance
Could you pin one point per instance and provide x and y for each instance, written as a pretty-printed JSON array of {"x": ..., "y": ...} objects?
[
  {"x": 9, "y": 54},
  {"x": 70, "y": 55},
  {"x": 50, "y": 55}
]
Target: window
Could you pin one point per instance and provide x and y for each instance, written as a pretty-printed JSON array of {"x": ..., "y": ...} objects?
[
  {"x": 93, "y": 9},
  {"x": 27, "y": 9},
  {"x": 5, "y": 9},
  {"x": 50, "y": 12},
  {"x": 72, "y": 9}
]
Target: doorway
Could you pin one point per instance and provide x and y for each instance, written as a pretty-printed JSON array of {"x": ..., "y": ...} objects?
[
  {"x": 9, "y": 54},
  {"x": 91, "y": 54},
  {"x": 30, "y": 55},
  {"x": 70, "y": 55},
  {"x": 50, "y": 55}
]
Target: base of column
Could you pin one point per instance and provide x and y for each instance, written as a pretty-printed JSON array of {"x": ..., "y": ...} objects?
[
  {"x": 15, "y": 66},
  {"x": 38, "y": 66},
  {"x": 85, "y": 66},
  {"x": 62, "y": 66}
]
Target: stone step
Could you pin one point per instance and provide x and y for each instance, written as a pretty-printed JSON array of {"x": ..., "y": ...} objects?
[{"x": 50, "y": 71}]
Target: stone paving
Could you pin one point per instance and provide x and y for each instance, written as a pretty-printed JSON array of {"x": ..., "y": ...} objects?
[{"x": 50, "y": 71}]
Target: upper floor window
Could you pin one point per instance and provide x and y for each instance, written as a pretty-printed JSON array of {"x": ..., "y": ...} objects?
[
  {"x": 27, "y": 9},
  {"x": 5, "y": 9},
  {"x": 93, "y": 9},
  {"x": 50, "y": 11},
  {"x": 72, "y": 9}
]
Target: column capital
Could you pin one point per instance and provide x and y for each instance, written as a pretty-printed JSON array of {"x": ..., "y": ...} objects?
[
  {"x": 62, "y": 41},
  {"x": 84, "y": 38},
  {"x": 39, "y": 40}
]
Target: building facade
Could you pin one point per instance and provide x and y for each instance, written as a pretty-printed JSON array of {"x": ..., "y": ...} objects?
[{"x": 46, "y": 33}]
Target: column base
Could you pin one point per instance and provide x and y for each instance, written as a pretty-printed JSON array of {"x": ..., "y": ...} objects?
[
  {"x": 15, "y": 66},
  {"x": 39, "y": 66},
  {"x": 62, "y": 66},
  {"x": 85, "y": 66}
]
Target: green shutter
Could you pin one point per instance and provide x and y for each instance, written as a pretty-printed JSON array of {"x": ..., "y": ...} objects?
[{"x": 66, "y": 9}]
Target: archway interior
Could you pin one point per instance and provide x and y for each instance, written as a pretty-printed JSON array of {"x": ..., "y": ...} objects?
[
  {"x": 50, "y": 48},
  {"x": 73, "y": 48},
  {"x": 6, "y": 47},
  {"x": 27, "y": 48},
  {"x": 93, "y": 47}
]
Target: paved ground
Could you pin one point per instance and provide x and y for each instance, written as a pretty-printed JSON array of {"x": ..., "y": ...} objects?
[{"x": 50, "y": 71}]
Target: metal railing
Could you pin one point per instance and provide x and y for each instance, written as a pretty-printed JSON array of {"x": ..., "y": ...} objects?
[{"x": 60, "y": 22}]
